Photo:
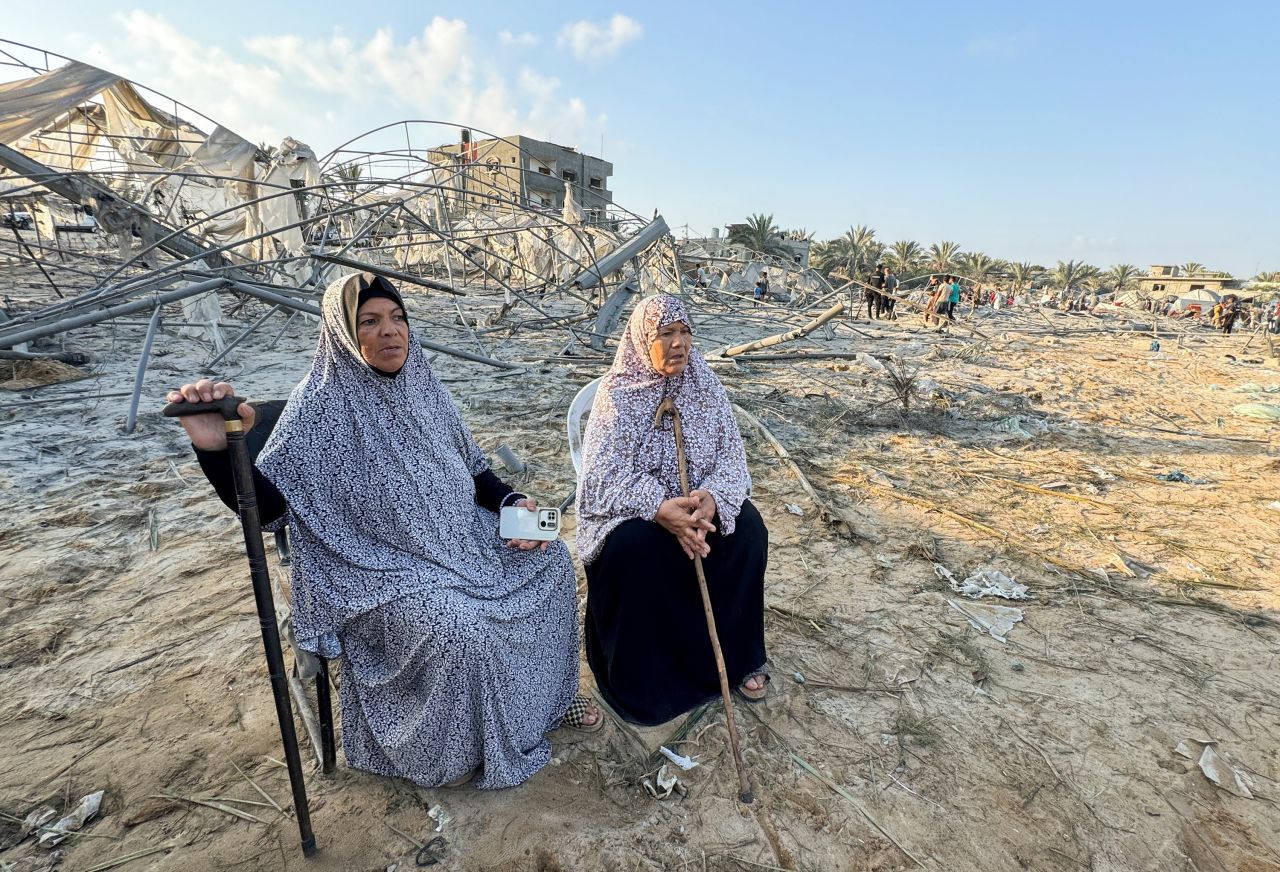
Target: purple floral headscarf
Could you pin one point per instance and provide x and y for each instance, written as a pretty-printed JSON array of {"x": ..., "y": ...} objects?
[{"x": 628, "y": 467}]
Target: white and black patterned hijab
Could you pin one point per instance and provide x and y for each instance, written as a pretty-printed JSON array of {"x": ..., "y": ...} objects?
[
  {"x": 378, "y": 476},
  {"x": 628, "y": 467}
]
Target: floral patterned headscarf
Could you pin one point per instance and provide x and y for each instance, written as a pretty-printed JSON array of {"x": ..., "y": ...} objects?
[{"x": 629, "y": 467}]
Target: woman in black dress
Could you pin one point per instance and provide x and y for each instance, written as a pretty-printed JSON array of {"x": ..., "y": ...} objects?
[{"x": 646, "y": 632}]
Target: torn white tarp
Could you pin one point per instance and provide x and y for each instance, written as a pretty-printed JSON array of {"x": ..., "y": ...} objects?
[
  {"x": 30, "y": 104},
  {"x": 995, "y": 621}
]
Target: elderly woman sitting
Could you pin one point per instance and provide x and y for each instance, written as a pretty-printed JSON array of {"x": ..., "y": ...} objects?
[
  {"x": 458, "y": 651},
  {"x": 646, "y": 632}
]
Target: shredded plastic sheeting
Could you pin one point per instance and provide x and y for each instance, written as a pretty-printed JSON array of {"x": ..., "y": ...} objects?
[
  {"x": 984, "y": 582},
  {"x": 995, "y": 621}
]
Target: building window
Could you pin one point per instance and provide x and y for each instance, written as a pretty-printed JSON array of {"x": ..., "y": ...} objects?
[
  {"x": 1155, "y": 288},
  {"x": 596, "y": 183},
  {"x": 546, "y": 171},
  {"x": 1196, "y": 288},
  {"x": 569, "y": 175}
]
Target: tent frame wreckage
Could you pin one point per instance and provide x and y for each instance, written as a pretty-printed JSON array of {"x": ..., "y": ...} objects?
[{"x": 137, "y": 211}]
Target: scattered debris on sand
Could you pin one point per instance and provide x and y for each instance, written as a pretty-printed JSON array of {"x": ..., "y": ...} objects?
[{"x": 920, "y": 486}]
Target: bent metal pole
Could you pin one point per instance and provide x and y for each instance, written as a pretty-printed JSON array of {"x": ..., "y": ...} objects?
[
  {"x": 667, "y": 407},
  {"x": 247, "y": 499}
]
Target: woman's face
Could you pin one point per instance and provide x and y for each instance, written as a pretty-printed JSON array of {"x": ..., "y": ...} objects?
[
  {"x": 669, "y": 352},
  {"x": 382, "y": 332}
]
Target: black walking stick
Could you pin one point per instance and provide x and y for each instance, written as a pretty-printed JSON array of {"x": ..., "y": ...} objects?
[
  {"x": 247, "y": 498},
  {"x": 744, "y": 785}
]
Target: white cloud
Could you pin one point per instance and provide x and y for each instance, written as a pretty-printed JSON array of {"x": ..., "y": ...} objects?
[
  {"x": 592, "y": 41},
  {"x": 240, "y": 95},
  {"x": 325, "y": 90},
  {"x": 518, "y": 40}
]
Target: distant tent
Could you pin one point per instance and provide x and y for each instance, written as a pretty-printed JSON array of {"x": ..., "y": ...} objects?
[{"x": 1202, "y": 297}]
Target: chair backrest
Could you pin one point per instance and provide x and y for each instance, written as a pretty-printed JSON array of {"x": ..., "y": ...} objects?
[{"x": 580, "y": 406}]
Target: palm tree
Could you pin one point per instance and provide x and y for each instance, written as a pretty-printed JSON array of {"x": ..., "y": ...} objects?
[
  {"x": 907, "y": 257},
  {"x": 1268, "y": 277},
  {"x": 978, "y": 266},
  {"x": 759, "y": 234},
  {"x": 1023, "y": 274},
  {"x": 1192, "y": 268},
  {"x": 1121, "y": 276},
  {"x": 942, "y": 256},
  {"x": 858, "y": 244},
  {"x": 827, "y": 256},
  {"x": 349, "y": 175},
  {"x": 1070, "y": 274}
]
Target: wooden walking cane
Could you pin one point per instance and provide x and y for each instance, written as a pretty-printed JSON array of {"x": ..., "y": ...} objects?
[
  {"x": 668, "y": 407},
  {"x": 247, "y": 498}
]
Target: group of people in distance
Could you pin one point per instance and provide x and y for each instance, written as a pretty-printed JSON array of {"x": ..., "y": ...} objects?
[
  {"x": 459, "y": 651},
  {"x": 880, "y": 293},
  {"x": 944, "y": 297}
]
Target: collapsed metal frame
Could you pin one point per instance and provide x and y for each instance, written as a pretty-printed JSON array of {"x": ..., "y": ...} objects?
[{"x": 343, "y": 221}]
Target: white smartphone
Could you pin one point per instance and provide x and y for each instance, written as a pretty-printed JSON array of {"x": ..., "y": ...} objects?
[{"x": 517, "y": 522}]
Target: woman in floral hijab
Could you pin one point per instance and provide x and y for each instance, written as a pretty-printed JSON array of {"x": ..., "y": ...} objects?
[{"x": 646, "y": 633}]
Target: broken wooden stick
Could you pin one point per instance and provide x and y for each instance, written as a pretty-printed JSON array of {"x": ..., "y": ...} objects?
[{"x": 779, "y": 338}]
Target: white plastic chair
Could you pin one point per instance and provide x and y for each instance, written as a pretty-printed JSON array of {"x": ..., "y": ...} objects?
[{"x": 580, "y": 406}]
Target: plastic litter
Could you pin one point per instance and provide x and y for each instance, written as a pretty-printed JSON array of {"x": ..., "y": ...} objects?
[
  {"x": 87, "y": 808},
  {"x": 799, "y": 678},
  {"x": 663, "y": 784},
  {"x": 984, "y": 582},
  {"x": 795, "y": 510},
  {"x": 1218, "y": 767},
  {"x": 870, "y": 362},
  {"x": 37, "y": 819},
  {"x": 440, "y": 816},
  {"x": 1102, "y": 474},
  {"x": 1181, "y": 477},
  {"x": 1261, "y": 411},
  {"x": 995, "y": 621},
  {"x": 1018, "y": 427},
  {"x": 685, "y": 763}
]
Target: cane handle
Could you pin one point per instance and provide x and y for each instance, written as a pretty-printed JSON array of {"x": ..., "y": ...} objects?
[{"x": 226, "y": 407}]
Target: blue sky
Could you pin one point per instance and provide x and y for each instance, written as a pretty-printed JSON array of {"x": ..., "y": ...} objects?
[{"x": 1109, "y": 132}]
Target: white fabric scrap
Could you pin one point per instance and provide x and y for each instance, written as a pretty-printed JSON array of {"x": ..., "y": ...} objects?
[{"x": 995, "y": 621}]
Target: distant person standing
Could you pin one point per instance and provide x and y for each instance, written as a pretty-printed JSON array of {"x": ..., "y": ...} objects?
[
  {"x": 703, "y": 279},
  {"x": 890, "y": 289},
  {"x": 764, "y": 284},
  {"x": 954, "y": 299},
  {"x": 877, "y": 282},
  {"x": 934, "y": 307},
  {"x": 1230, "y": 312}
]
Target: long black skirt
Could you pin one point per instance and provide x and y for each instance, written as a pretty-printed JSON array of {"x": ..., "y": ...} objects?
[{"x": 646, "y": 631}]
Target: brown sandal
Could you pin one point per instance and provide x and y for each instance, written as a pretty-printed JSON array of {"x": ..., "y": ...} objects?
[{"x": 754, "y": 695}]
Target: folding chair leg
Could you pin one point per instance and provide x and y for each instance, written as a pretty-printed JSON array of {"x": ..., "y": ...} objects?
[{"x": 329, "y": 750}]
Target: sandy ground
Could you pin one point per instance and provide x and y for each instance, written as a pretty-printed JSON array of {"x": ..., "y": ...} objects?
[{"x": 896, "y": 735}]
